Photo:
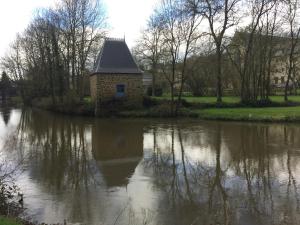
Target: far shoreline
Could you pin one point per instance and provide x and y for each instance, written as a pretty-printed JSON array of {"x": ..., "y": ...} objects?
[
  {"x": 158, "y": 108},
  {"x": 226, "y": 115}
]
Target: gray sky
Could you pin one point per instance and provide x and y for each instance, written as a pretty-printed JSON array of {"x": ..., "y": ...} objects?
[{"x": 124, "y": 17}]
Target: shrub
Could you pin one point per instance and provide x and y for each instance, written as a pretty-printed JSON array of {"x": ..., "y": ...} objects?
[
  {"x": 111, "y": 107},
  {"x": 71, "y": 98},
  {"x": 158, "y": 91},
  {"x": 43, "y": 103},
  {"x": 162, "y": 110},
  {"x": 149, "y": 102},
  {"x": 10, "y": 202}
]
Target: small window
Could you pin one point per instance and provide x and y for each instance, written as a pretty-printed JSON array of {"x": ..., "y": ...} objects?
[
  {"x": 276, "y": 80},
  {"x": 282, "y": 80},
  {"x": 120, "y": 90}
]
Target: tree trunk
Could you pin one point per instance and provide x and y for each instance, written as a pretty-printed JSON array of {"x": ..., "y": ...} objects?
[{"x": 219, "y": 74}]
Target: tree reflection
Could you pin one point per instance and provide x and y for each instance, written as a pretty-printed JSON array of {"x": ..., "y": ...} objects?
[
  {"x": 56, "y": 149},
  {"x": 291, "y": 193},
  {"x": 6, "y": 112},
  {"x": 197, "y": 173},
  {"x": 68, "y": 152},
  {"x": 244, "y": 182},
  {"x": 188, "y": 189},
  {"x": 187, "y": 181},
  {"x": 216, "y": 183}
]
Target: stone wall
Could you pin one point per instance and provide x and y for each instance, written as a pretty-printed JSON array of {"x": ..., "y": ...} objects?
[
  {"x": 93, "y": 86},
  {"x": 105, "y": 85}
]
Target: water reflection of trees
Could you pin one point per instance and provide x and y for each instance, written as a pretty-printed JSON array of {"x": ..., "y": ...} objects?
[
  {"x": 252, "y": 178},
  {"x": 56, "y": 149},
  {"x": 6, "y": 113},
  {"x": 208, "y": 173},
  {"x": 69, "y": 152}
]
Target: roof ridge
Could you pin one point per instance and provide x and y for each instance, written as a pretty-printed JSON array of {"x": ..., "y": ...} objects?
[
  {"x": 99, "y": 58},
  {"x": 132, "y": 56},
  {"x": 114, "y": 39}
]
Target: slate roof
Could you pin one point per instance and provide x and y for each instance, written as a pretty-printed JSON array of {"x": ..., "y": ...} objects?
[{"x": 115, "y": 57}]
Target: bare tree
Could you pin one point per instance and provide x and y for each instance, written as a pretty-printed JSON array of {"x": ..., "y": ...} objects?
[
  {"x": 83, "y": 25},
  {"x": 180, "y": 36},
  {"x": 169, "y": 15},
  {"x": 221, "y": 16},
  {"x": 272, "y": 26},
  {"x": 57, "y": 50},
  {"x": 291, "y": 17},
  {"x": 150, "y": 48},
  {"x": 190, "y": 35},
  {"x": 13, "y": 63},
  {"x": 248, "y": 48}
]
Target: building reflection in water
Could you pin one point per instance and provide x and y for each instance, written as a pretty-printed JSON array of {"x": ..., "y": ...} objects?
[
  {"x": 117, "y": 147},
  {"x": 68, "y": 152}
]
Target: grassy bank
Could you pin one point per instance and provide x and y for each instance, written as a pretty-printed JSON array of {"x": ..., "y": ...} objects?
[
  {"x": 203, "y": 100},
  {"x": 232, "y": 110},
  {"x": 272, "y": 114},
  {"x": 17, "y": 221},
  {"x": 8, "y": 221},
  {"x": 228, "y": 99},
  {"x": 156, "y": 112},
  {"x": 70, "y": 107}
]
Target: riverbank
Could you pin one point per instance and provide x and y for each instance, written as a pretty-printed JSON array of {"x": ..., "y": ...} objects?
[
  {"x": 229, "y": 99},
  {"x": 270, "y": 114},
  {"x": 9, "y": 221},
  {"x": 204, "y": 108},
  {"x": 17, "y": 221},
  {"x": 14, "y": 221},
  {"x": 69, "y": 106}
]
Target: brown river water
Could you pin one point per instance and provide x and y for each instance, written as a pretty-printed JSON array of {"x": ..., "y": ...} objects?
[{"x": 161, "y": 172}]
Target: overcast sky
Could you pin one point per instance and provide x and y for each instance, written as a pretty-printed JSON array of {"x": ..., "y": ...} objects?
[{"x": 125, "y": 17}]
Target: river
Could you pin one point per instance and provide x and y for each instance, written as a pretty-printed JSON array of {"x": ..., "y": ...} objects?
[{"x": 167, "y": 172}]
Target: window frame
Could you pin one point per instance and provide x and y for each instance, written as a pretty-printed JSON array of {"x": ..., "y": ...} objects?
[{"x": 120, "y": 90}]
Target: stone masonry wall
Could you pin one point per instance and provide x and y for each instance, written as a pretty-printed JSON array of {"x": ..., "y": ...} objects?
[
  {"x": 107, "y": 87},
  {"x": 93, "y": 86}
]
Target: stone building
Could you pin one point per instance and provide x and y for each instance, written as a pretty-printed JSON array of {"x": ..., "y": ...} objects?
[
  {"x": 280, "y": 56},
  {"x": 280, "y": 64},
  {"x": 116, "y": 75}
]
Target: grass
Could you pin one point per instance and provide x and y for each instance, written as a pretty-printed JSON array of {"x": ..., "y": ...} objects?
[
  {"x": 229, "y": 99},
  {"x": 271, "y": 114},
  {"x": 157, "y": 112},
  {"x": 280, "y": 114},
  {"x": 280, "y": 99},
  {"x": 8, "y": 221},
  {"x": 87, "y": 99},
  {"x": 204, "y": 100},
  {"x": 212, "y": 100},
  {"x": 205, "y": 108}
]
